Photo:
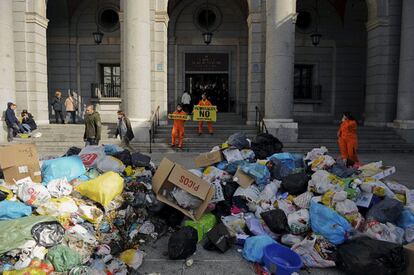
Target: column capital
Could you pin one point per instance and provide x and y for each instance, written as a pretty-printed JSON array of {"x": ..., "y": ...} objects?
[
  {"x": 34, "y": 17},
  {"x": 162, "y": 17},
  {"x": 255, "y": 17}
]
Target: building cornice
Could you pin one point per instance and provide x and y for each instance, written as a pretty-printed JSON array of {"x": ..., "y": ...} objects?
[
  {"x": 33, "y": 17},
  {"x": 162, "y": 17},
  {"x": 254, "y": 18}
]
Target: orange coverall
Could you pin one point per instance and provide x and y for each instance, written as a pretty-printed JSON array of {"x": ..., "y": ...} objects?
[
  {"x": 347, "y": 140},
  {"x": 200, "y": 123},
  {"x": 178, "y": 129}
]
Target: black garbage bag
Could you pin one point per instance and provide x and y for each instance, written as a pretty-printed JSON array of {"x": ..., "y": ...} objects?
[
  {"x": 367, "y": 256},
  {"x": 223, "y": 208},
  {"x": 264, "y": 145},
  {"x": 172, "y": 216},
  {"x": 229, "y": 189},
  {"x": 48, "y": 234},
  {"x": 72, "y": 151},
  {"x": 183, "y": 243},
  {"x": 219, "y": 238},
  {"x": 140, "y": 160},
  {"x": 277, "y": 169},
  {"x": 124, "y": 156},
  {"x": 238, "y": 140},
  {"x": 387, "y": 210},
  {"x": 295, "y": 184},
  {"x": 276, "y": 220}
]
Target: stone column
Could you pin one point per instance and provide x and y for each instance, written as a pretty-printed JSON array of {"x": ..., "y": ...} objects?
[
  {"x": 137, "y": 65},
  {"x": 256, "y": 65},
  {"x": 405, "y": 107},
  {"x": 280, "y": 49},
  {"x": 7, "y": 73},
  {"x": 383, "y": 38}
]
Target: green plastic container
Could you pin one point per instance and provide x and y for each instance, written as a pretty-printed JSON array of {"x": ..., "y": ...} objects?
[{"x": 203, "y": 225}]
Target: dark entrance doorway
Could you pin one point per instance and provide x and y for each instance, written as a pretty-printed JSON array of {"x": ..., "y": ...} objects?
[
  {"x": 214, "y": 85},
  {"x": 208, "y": 73}
]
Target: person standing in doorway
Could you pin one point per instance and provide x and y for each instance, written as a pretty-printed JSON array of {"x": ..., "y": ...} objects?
[
  {"x": 13, "y": 124},
  {"x": 57, "y": 105},
  {"x": 178, "y": 128},
  {"x": 186, "y": 102},
  {"x": 205, "y": 102},
  {"x": 348, "y": 140},
  {"x": 71, "y": 105},
  {"x": 93, "y": 126},
  {"x": 124, "y": 130}
]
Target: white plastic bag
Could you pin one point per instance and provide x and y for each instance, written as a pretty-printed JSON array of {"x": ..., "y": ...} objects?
[
  {"x": 247, "y": 154},
  {"x": 251, "y": 193},
  {"x": 290, "y": 239},
  {"x": 59, "y": 188},
  {"x": 109, "y": 163},
  {"x": 315, "y": 153},
  {"x": 322, "y": 162},
  {"x": 218, "y": 194},
  {"x": 232, "y": 155},
  {"x": 91, "y": 155},
  {"x": 384, "y": 232},
  {"x": 286, "y": 206},
  {"x": 212, "y": 173},
  {"x": 58, "y": 207},
  {"x": 234, "y": 224},
  {"x": 323, "y": 181},
  {"x": 32, "y": 193},
  {"x": 303, "y": 200},
  {"x": 270, "y": 190},
  {"x": 299, "y": 221}
]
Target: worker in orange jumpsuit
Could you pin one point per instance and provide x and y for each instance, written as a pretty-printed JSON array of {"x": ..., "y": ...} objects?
[
  {"x": 178, "y": 128},
  {"x": 348, "y": 140},
  {"x": 205, "y": 102}
]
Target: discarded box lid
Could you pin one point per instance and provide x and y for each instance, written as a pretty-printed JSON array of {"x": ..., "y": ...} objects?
[
  {"x": 20, "y": 161},
  {"x": 243, "y": 179},
  {"x": 207, "y": 159},
  {"x": 170, "y": 174}
]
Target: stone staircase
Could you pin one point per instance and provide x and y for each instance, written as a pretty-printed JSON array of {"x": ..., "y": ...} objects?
[{"x": 57, "y": 138}]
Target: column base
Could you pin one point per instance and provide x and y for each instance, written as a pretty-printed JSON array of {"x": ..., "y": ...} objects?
[
  {"x": 3, "y": 132},
  {"x": 286, "y": 130},
  {"x": 141, "y": 128},
  {"x": 404, "y": 128}
]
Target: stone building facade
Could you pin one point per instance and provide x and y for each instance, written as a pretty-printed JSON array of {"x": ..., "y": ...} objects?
[{"x": 261, "y": 57}]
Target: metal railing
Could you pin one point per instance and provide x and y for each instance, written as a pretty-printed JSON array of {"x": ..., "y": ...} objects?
[
  {"x": 155, "y": 122},
  {"x": 100, "y": 90},
  {"x": 259, "y": 121}
]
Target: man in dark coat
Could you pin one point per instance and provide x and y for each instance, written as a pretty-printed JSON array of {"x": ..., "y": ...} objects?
[
  {"x": 13, "y": 125},
  {"x": 93, "y": 126},
  {"x": 124, "y": 130},
  {"x": 57, "y": 105}
]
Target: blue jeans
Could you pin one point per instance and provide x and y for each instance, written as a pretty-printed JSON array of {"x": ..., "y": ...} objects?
[{"x": 26, "y": 128}]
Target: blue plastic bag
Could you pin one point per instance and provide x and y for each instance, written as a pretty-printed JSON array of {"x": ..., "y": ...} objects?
[
  {"x": 222, "y": 165},
  {"x": 254, "y": 246},
  {"x": 329, "y": 224},
  {"x": 13, "y": 209},
  {"x": 287, "y": 159},
  {"x": 111, "y": 149},
  {"x": 406, "y": 219},
  {"x": 232, "y": 167},
  {"x": 259, "y": 172},
  {"x": 69, "y": 167}
]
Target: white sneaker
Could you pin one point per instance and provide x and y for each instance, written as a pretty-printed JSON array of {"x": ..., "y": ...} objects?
[{"x": 37, "y": 135}]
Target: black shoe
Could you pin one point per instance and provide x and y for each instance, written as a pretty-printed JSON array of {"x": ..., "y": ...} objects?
[
  {"x": 172, "y": 145},
  {"x": 211, "y": 134},
  {"x": 199, "y": 134}
]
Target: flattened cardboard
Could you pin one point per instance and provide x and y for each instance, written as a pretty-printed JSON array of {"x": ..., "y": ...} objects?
[
  {"x": 208, "y": 159},
  {"x": 169, "y": 175},
  {"x": 20, "y": 161},
  {"x": 409, "y": 254},
  {"x": 243, "y": 179}
]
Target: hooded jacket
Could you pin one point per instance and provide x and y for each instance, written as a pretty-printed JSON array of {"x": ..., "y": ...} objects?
[{"x": 10, "y": 116}]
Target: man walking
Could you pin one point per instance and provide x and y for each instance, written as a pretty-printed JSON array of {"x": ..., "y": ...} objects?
[
  {"x": 186, "y": 102},
  {"x": 124, "y": 130},
  {"x": 13, "y": 125},
  {"x": 93, "y": 126}
]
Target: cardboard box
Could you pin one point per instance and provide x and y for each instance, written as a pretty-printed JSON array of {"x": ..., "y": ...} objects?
[
  {"x": 409, "y": 254},
  {"x": 385, "y": 171},
  {"x": 243, "y": 179},
  {"x": 208, "y": 159},
  {"x": 170, "y": 175},
  {"x": 20, "y": 161}
]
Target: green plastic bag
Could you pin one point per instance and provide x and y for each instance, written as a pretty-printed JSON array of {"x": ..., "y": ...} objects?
[
  {"x": 203, "y": 225},
  {"x": 15, "y": 233},
  {"x": 64, "y": 258}
]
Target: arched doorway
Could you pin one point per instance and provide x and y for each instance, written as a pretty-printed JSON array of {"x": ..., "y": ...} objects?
[{"x": 219, "y": 68}]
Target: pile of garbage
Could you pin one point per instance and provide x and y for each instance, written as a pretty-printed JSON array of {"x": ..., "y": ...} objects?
[{"x": 93, "y": 210}]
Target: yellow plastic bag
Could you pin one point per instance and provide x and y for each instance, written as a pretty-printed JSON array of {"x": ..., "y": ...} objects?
[
  {"x": 132, "y": 257},
  {"x": 57, "y": 207},
  {"x": 129, "y": 171},
  {"x": 102, "y": 189},
  {"x": 26, "y": 271},
  {"x": 7, "y": 191}
]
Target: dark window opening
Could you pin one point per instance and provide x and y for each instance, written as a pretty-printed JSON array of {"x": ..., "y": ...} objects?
[
  {"x": 110, "y": 85},
  {"x": 206, "y": 19},
  {"x": 303, "y": 81}
]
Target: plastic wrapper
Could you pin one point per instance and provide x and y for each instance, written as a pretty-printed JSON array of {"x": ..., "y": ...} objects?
[
  {"x": 109, "y": 163},
  {"x": 290, "y": 239},
  {"x": 315, "y": 251},
  {"x": 132, "y": 258},
  {"x": 185, "y": 199},
  {"x": 303, "y": 200},
  {"x": 232, "y": 155},
  {"x": 59, "y": 188},
  {"x": 58, "y": 207}
]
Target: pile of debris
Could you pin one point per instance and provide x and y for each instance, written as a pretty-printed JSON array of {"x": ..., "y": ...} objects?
[{"x": 93, "y": 210}]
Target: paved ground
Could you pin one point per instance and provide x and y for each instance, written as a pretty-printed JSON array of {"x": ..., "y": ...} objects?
[{"x": 231, "y": 262}]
